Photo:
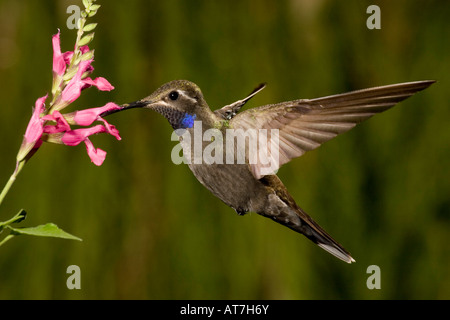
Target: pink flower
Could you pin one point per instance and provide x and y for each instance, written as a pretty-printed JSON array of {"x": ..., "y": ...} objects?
[
  {"x": 73, "y": 89},
  {"x": 84, "y": 49},
  {"x": 75, "y": 137},
  {"x": 32, "y": 138},
  {"x": 111, "y": 129},
  {"x": 60, "y": 60},
  {"x": 61, "y": 132},
  {"x": 97, "y": 155},
  {"x": 61, "y": 123},
  {"x": 52, "y": 126},
  {"x": 34, "y": 129},
  {"x": 88, "y": 116},
  {"x": 101, "y": 83}
]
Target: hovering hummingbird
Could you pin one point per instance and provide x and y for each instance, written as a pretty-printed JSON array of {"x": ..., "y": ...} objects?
[{"x": 302, "y": 125}]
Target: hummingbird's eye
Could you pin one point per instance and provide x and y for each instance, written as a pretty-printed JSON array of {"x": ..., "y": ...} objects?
[{"x": 173, "y": 95}]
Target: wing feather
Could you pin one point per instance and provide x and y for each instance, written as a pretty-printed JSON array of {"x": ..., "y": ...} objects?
[{"x": 304, "y": 125}]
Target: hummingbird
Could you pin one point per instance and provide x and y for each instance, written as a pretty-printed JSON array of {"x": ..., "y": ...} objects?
[{"x": 302, "y": 125}]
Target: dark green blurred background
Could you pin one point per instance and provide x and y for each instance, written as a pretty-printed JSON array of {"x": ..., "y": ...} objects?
[{"x": 151, "y": 231}]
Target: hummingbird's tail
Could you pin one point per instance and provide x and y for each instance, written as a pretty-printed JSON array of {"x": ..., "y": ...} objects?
[
  {"x": 319, "y": 236},
  {"x": 281, "y": 207},
  {"x": 297, "y": 220}
]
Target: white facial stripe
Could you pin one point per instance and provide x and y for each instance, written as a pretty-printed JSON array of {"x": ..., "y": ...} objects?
[
  {"x": 158, "y": 103},
  {"x": 185, "y": 95}
]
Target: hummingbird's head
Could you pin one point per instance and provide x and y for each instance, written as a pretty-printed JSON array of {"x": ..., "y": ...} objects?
[{"x": 179, "y": 101}]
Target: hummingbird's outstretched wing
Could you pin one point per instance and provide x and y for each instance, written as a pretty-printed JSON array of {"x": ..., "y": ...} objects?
[
  {"x": 229, "y": 111},
  {"x": 305, "y": 124}
]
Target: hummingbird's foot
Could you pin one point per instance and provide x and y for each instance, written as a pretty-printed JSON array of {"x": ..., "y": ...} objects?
[{"x": 240, "y": 211}]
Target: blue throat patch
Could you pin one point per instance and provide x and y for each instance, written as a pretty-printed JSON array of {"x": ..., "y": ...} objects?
[{"x": 188, "y": 120}]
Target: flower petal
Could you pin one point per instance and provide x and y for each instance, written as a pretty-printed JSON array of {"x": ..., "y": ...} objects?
[
  {"x": 32, "y": 138},
  {"x": 61, "y": 123},
  {"x": 101, "y": 83},
  {"x": 88, "y": 116},
  {"x": 75, "y": 137},
  {"x": 35, "y": 126},
  {"x": 59, "y": 64},
  {"x": 84, "y": 49},
  {"x": 97, "y": 155},
  {"x": 73, "y": 89},
  {"x": 67, "y": 56},
  {"x": 111, "y": 129}
]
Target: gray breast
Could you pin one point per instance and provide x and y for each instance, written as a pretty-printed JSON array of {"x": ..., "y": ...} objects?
[{"x": 232, "y": 182}]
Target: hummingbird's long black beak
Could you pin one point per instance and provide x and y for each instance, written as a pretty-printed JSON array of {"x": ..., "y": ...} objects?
[{"x": 126, "y": 106}]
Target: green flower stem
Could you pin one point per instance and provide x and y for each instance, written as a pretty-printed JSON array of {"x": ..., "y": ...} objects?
[
  {"x": 11, "y": 180},
  {"x": 17, "y": 218},
  {"x": 8, "y": 237}
]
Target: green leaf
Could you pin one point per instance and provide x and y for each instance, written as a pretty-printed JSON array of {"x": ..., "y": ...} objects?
[
  {"x": 88, "y": 55},
  {"x": 95, "y": 7},
  {"x": 70, "y": 73},
  {"x": 86, "y": 3},
  {"x": 89, "y": 27},
  {"x": 93, "y": 10},
  {"x": 86, "y": 39},
  {"x": 44, "y": 230}
]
